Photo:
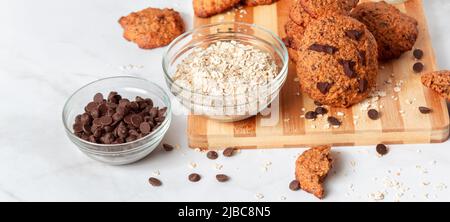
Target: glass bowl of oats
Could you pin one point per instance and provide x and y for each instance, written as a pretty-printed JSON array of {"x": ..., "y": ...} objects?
[{"x": 226, "y": 71}]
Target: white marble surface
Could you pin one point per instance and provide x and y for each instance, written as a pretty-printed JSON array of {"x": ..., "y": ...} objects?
[{"x": 49, "y": 48}]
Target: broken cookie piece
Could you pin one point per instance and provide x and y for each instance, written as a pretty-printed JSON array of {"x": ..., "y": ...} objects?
[
  {"x": 311, "y": 168},
  {"x": 152, "y": 27},
  {"x": 208, "y": 8},
  {"x": 438, "y": 81}
]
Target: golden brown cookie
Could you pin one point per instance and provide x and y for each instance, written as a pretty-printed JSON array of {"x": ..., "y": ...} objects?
[
  {"x": 439, "y": 82},
  {"x": 311, "y": 168},
  {"x": 294, "y": 34},
  {"x": 319, "y": 8},
  {"x": 208, "y": 8},
  {"x": 152, "y": 27},
  {"x": 299, "y": 15},
  {"x": 339, "y": 62},
  {"x": 394, "y": 31},
  {"x": 258, "y": 2}
]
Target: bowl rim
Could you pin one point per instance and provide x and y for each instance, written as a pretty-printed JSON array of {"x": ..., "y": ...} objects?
[
  {"x": 281, "y": 72},
  {"x": 166, "y": 120}
]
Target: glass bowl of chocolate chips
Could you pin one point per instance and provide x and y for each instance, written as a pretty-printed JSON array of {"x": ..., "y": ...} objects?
[{"x": 117, "y": 120}]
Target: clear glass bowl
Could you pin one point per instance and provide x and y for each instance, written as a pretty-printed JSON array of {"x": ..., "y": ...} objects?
[
  {"x": 234, "y": 107},
  {"x": 128, "y": 87}
]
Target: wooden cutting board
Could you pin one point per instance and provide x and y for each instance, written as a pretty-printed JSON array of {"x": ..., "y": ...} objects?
[{"x": 400, "y": 120}]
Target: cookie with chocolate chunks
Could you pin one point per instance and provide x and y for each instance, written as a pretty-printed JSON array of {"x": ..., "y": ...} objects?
[
  {"x": 394, "y": 31},
  {"x": 339, "y": 62}
]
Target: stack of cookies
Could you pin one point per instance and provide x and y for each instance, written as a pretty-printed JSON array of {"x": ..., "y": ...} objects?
[{"x": 336, "y": 50}]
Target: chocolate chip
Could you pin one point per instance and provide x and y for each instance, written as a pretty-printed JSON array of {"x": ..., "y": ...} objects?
[
  {"x": 382, "y": 149},
  {"x": 91, "y": 107},
  {"x": 418, "y": 67},
  {"x": 98, "y": 98},
  {"x": 106, "y": 120},
  {"x": 424, "y": 110},
  {"x": 362, "y": 57},
  {"x": 145, "y": 128},
  {"x": 363, "y": 85},
  {"x": 323, "y": 87},
  {"x": 373, "y": 114},
  {"x": 154, "y": 182},
  {"x": 78, "y": 127},
  {"x": 317, "y": 103},
  {"x": 354, "y": 34},
  {"x": 228, "y": 152},
  {"x": 418, "y": 53},
  {"x": 294, "y": 185},
  {"x": 310, "y": 115},
  {"x": 323, "y": 48},
  {"x": 136, "y": 120},
  {"x": 222, "y": 177},
  {"x": 212, "y": 155},
  {"x": 349, "y": 67},
  {"x": 333, "y": 121},
  {"x": 321, "y": 110},
  {"x": 194, "y": 177},
  {"x": 167, "y": 147}
]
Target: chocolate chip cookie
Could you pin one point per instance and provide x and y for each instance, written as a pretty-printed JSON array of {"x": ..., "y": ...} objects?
[
  {"x": 152, "y": 27},
  {"x": 339, "y": 62},
  {"x": 258, "y": 2},
  {"x": 439, "y": 82},
  {"x": 394, "y": 31},
  {"x": 299, "y": 15},
  {"x": 294, "y": 33},
  {"x": 311, "y": 168},
  {"x": 208, "y": 8},
  {"x": 319, "y": 8}
]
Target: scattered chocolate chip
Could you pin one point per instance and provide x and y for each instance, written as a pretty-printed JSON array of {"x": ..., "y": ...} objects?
[
  {"x": 333, "y": 121},
  {"x": 228, "y": 152},
  {"x": 373, "y": 114},
  {"x": 294, "y": 185},
  {"x": 382, "y": 149},
  {"x": 418, "y": 67},
  {"x": 418, "y": 53},
  {"x": 424, "y": 110},
  {"x": 310, "y": 115},
  {"x": 317, "y": 103},
  {"x": 321, "y": 110},
  {"x": 363, "y": 85},
  {"x": 362, "y": 57},
  {"x": 323, "y": 87},
  {"x": 354, "y": 34},
  {"x": 323, "y": 48},
  {"x": 349, "y": 67},
  {"x": 194, "y": 177},
  {"x": 167, "y": 147},
  {"x": 154, "y": 182},
  {"x": 212, "y": 155},
  {"x": 222, "y": 177}
]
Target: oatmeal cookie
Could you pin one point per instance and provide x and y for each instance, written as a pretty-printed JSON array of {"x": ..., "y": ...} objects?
[
  {"x": 318, "y": 8},
  {"x": 152, "y": 27},
  {"x": 311, "y": 168},
  {"x": 294, "y": 34},
  {"x": 258, "y": 2},
  {"x": 394, "y": 31},
  {"x": 439, "y": 82},
  {"x": 299, "y": 15},
  {"x": 339, "y": 62},
  {"x": 208, "y": 8}
]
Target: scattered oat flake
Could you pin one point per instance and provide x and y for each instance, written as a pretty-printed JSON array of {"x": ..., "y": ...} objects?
[
  {"x": 259, "y": 196},
  {"x": 156, "y": 173},
  {"x": 282, "y": 198},
  {"x": 193, "y": 165},
  {"x": 377, "y": 196}
]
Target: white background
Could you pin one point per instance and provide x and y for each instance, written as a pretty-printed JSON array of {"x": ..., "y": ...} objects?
[{"x": 50, "y": 48}]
